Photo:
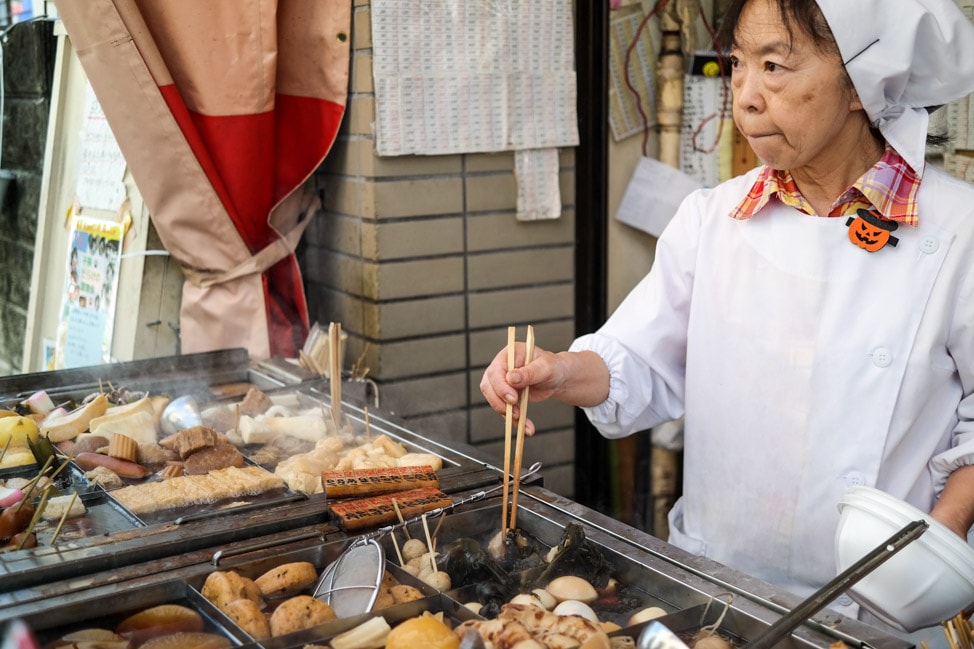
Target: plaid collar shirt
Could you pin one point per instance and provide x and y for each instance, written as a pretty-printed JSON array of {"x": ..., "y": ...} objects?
[{"x": 889, "y": 187}]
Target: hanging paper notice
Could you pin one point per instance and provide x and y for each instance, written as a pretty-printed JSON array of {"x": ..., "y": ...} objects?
[
  {"x": 90, "y": 286},
  {"x": 653, "y": 196},
  {"x": 464, "y": 77},
  {"x": 101, "y": 166}
]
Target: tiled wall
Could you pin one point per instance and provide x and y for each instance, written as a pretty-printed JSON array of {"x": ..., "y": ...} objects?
[
  {"x": 28, "y": 65},
  {"x": 422, "y": 260}
]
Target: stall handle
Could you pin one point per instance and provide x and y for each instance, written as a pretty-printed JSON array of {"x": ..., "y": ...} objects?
[
  {"x": 821, "y": 598},
  {"x": 263, "y": 545}
]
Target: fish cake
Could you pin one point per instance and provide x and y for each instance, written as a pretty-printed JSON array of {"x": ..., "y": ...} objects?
[
  {"x": 300, "y": 612},
  {"x": 222, "y": 587},
  {"x": 287, "y": 579},
  {"x": 247, "y": 615}
]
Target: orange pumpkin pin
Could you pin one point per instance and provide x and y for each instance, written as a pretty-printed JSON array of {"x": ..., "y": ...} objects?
[{"x": 870, "y": 231}]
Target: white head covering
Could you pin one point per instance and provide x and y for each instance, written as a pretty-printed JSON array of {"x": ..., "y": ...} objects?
[{"x": 904, "y": 56}]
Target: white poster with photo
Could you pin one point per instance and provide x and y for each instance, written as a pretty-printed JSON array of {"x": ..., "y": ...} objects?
[{"x": 90, "y": 287}]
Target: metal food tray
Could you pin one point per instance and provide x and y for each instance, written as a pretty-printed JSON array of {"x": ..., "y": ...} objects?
[
  {"x": 117, "y": 538},
  {"x": 655, "y": 572},
  {"x": 190, "y": 374},
  {"x": 107, "y": 606},
  {"x": 102, "y": 514}
]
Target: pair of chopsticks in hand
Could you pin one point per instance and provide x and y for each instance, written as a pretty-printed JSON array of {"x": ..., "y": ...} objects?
[{"x": 508, "y": 425}]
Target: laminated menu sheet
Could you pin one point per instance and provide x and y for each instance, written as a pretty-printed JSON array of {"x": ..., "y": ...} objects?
[{"x": 465, "y": 76}]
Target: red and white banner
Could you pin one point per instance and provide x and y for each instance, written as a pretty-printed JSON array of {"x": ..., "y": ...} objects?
[{"x": 223, "y": 109}]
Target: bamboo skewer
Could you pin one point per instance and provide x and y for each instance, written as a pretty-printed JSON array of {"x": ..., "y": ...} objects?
[
  {"x": 3, "y": 451},
  {"x": 522, "y": 420},
  {"x": 335, "y": 370},
  {"x": 958, "y": 631},
  {"x": 439, "y": 523},
  {"x": 395, "y": 544},
  {"x": 402, "y": 521},
  {"x": 950, "y": 634},
  {"x": 508, "y": 429},
  {"x": 33, "y": 521},
  {"x": 28, "y": 489},
  {"x": 429, "y": 544},
  {"x": 64, "y": 517}
]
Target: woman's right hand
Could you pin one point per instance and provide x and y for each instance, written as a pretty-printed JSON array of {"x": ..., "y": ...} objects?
[{"x": 548, "y": 375}]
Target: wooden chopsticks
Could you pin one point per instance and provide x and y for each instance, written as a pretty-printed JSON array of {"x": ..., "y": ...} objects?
[
  {"x": 335, "y": 370},
  {"x": 519, "y": 443},
  {"x": 508, "y": 429}
]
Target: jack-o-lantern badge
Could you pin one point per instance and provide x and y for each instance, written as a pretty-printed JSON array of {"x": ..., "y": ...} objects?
[{"x": 870, "y": 231}]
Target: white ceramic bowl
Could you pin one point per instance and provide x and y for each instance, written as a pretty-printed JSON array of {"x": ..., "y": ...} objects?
[{"x": 929, "y": 580}]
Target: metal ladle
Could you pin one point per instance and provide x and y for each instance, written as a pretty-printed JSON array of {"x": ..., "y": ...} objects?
[{"x": 181, "y": 413}]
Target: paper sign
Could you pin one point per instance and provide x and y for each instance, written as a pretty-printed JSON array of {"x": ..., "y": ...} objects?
[
  {"x": 101, "y": 166},
  {"x": 653, "y": 195},
  {"x": 464, "y": 77}
]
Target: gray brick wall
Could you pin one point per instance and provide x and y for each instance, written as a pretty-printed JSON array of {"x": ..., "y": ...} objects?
[
  {"x": 28, "y": 68},
  {"x": 422, "y": 260}
]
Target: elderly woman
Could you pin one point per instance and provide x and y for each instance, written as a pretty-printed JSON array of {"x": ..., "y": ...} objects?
[{"x": 813, "y": 319}]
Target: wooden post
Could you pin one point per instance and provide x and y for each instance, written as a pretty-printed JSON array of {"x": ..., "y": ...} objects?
[
  {"x": 669, "y": 76},
  {"x": 670, "y": 71},
  {"x": 664, "y": 480}
]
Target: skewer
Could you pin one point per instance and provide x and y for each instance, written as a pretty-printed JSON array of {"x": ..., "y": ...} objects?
[
  {"x": 395, "y": 544},
  {"x": 508, "y": 426},
  {"x": 335, "y": 370},
  {"x": 949, "y": 633},
  {"x": 30, "y": 486},
  {"x": 368, "y": 428},
  {"x": 438, "y": 524},
  {"x": 395, "y": 505},
  {"x": 64, "y": 517},
  {"x": 964, "y": 631},
  {"x": 5, "y": 447},
  {"x": 522, "y": 420},
  {"x": 429, "y": 544},
  {"x": 58, "y": 470},
  {"x": 33, "y": 521}
]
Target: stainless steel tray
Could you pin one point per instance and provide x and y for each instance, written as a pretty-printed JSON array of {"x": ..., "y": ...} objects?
[
  {"x": 116, "y": 537},
  {"x": 651, "y": 570}
]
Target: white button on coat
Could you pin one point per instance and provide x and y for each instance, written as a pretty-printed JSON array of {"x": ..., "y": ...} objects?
[
  {"x": 855, "y": 479},
  {"x": 882, "y": 357}
]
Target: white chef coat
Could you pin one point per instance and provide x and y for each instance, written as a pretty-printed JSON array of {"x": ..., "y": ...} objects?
[{"x": 802, "y": 364}]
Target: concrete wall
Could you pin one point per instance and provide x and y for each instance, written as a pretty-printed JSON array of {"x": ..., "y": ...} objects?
[
  {"x": 422, "y": 260},
  {"x": 28, "y": 66}
]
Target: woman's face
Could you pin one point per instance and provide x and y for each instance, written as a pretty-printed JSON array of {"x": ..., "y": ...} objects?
[{"x": 792, "y": 102}]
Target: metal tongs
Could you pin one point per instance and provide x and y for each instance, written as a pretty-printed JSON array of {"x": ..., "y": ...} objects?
[
  {"x": 655, "y": 637},
  {"x": 821, "y": 598}
]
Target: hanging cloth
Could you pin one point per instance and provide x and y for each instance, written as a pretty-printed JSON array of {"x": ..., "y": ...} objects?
[{"x": 223, "y": 109}]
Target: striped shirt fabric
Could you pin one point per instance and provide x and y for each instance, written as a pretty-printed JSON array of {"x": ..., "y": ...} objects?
[{"x": 889, "y": 187}]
